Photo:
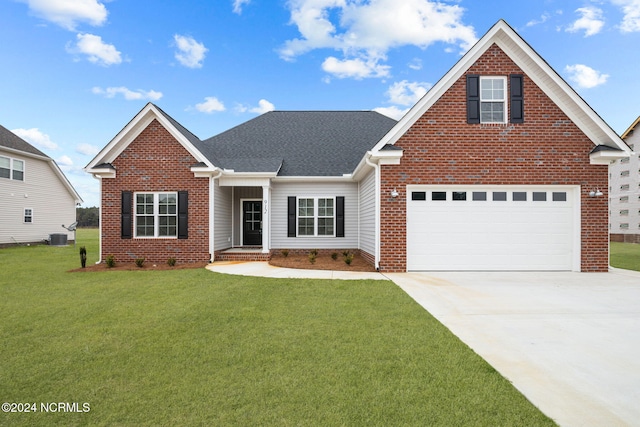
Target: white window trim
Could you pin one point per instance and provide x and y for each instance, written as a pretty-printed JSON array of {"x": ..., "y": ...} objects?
[
  {"x": 504, "y": 100},
  {"x": 12, "y": 168},
  {"x": 316, "y": 216},
  {"x": 24, "y": 216},
  {"x": 156, "y": 214}
]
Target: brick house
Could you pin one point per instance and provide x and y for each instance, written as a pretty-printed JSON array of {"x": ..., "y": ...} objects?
[{"x": 495, "y": 168}]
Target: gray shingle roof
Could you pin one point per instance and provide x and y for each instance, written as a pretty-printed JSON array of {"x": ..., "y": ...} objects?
[
  {"x": 11, "y": 140},
  {"x": 306, "y": 143}
]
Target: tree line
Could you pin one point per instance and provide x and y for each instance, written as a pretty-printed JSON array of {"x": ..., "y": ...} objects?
[{"x": 88, "y": 217}]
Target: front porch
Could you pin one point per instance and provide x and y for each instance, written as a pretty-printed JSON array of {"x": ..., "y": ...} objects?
[{"x": 242, "y": 254}]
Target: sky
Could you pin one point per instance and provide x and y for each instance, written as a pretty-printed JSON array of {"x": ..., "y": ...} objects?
[{"x": 73, "y": 73}]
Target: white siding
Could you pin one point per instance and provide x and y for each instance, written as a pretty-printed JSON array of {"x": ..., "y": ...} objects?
[
  {"x": 281, "y": 191},
  {"x": 41, "y": 191},
  {"x": 624, "y": 214},
  {"x": 222, "y": 217},
  {"x": 367, "y": 213}
]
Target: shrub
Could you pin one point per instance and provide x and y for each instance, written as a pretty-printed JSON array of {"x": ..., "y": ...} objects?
[
  {"x": 348, "y": 259},
  {"x": 345, "y": 253},
  {"x": 83, "y": 256},
  {"x": 139, "y": 262},
  {"x": 314, "y": 252},
  {"x": 312, "y": 257},
  {"x": 285, "y": 252},
  {"x": 111, "y": 261},
  {"x": 334, "y": 256},
  {"x": 171, "y": 262}
]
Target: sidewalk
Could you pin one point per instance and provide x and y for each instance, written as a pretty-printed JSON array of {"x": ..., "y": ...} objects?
[{"x": 264, "y": 269}]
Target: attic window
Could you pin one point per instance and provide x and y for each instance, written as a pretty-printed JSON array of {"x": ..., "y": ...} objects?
[{"x": 492, "y": 99}]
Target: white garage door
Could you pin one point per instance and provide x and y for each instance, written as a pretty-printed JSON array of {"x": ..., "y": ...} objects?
[{"x": 491, "y": 228}]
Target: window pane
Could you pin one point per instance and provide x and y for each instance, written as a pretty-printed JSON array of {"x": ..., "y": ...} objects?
[
  {"x": 539, "y": 196},
  {"x": 459, "y": 195},
  {"x": 325, "y": 226},
  {"x": 439, "y": 195},
  {"x": 418, "y": 195},
  {"x": 144, "y": 226},
  {"x": 167, "y": 226},
  {"x": 305, "y": 226},
  {"x": 18, "y": 165},
  {"x": 479, "y": 195},
  {"x": 519, "y": 196},
  {"x": 499, "y": 196},
  {"x": 560, "y": 197}
]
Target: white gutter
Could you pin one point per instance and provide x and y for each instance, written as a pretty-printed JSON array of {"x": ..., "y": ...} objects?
[
  {"x": 212, "y": 205},
  {"x": 376, "y": 168}
]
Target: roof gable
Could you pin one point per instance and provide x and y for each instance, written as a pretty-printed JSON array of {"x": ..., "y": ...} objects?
[
  {"x": 536, "y": 68},
  {"x": 129, "y": 133},
  {"x": 631, "y": 128},
  {"x": 13, "y": 142}
]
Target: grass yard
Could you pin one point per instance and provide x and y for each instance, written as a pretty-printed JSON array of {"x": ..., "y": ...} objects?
[
  {"x": 625, "y": 255},
  {"x": 190, "y": 347}
]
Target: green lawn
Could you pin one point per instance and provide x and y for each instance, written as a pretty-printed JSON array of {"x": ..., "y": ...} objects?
[
  {"x": 625, "y": 255},
  {"x": 190, "y": 347}
]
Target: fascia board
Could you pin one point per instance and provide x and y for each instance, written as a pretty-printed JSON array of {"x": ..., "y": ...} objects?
[
  {"x": 606, "y": 157},
  {"x": 122, "y": 140},
  {"x": 283, "y": 179},
  {"x": 24, "y": 153},
  {"x": 62, "y": 177}
]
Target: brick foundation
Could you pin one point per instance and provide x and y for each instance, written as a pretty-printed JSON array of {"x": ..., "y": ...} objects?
[{"x": 625, "y": 238}]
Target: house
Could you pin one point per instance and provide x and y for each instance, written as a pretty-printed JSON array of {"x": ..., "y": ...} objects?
[
  {"x": 35, "y": 196},
  {"x": 624, "y": 192},
  {"x": 493, "y": 169}
]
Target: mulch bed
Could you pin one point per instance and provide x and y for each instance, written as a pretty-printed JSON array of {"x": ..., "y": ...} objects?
[
  {"x": 323, "y": 262},
  {"x": 131, "y": 266}
]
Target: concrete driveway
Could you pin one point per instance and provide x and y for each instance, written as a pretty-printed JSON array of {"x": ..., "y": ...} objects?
[{"x": 570, "y": 342}]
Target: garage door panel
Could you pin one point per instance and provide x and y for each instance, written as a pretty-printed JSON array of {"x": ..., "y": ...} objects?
[{"x": 491, "y": 235}]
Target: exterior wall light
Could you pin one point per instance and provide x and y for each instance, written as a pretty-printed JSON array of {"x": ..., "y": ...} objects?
[
  {"x": 394, "y": 193},
  {"x": 595, "y": 193}
]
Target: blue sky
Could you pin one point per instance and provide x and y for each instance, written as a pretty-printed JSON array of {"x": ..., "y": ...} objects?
[{"x": 74, "y": 72}]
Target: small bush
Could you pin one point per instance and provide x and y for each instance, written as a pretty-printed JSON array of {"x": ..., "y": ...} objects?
[
  {"x": 139, "y": 262},
  {"x": 345, "y": 253},
  {"x": 334, "y": 256},
  {"x": 314, "y": 252},
  {"x": 348, "y": 259},
  {"x": 171, "y": 262},
  {"x": 285, "y": 252},
  {"x": 110, "y": 261},
  {"x": 312, "y": 257}
]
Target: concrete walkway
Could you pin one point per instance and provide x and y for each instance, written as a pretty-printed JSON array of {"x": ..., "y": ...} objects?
[{"x": 570, "y": 342}]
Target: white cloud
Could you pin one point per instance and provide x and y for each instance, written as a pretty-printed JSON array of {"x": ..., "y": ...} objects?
[
  {"x": 356, "y": 68},
  {"x": 210, "y": 105},
  {"x": 407, "y": 93},
  {"x": 238, "y": 4},
  {"x": 543, "y": 18},
  {"x": 64, "y": 161},
  {"x": 393, "y": 111},
  {"x": 590, "y": 21},
  {"x": 96, "y": 50},
  {"x": 264, "y": 106},
  {"x": 416, "y": 64},
  {"x": 87, "y": 149},
  {"x": 69, "y": 13},
  {"x": 35, "y": 137},
  {"x": 129, "y": 95},
  {"x": 631, "y": 20},
  {"x": 190, "y": 52},
  {"x": 584, "y": 76},
  {"x": 365, "y": 31}
]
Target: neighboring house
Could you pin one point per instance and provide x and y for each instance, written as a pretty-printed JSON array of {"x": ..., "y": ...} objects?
[
  {"x": 36, "y": 199},
  {"x": 624, "y": 191},
  {"x": 493, "y": 169}
]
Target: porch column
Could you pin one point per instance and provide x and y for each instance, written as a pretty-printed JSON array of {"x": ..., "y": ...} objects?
[{"x": 266, "y": 219}]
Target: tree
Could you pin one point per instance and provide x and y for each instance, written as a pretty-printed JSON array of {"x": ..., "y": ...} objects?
[{"x": 88, "y": 217}]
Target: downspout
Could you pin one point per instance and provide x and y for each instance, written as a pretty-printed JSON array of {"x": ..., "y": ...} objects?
[
  {"x": 99, "y": 178},
  {"x": 212, "y": 206},
  {"x": 376, "y": 168}
]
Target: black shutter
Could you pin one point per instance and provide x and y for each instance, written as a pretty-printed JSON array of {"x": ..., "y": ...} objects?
[
  {"x": 517, "y": 99},
  {"x": 183, "y": 215},
  {"x": 340, "y": 216},
  {"x": 291, "y": 217},
  {"x": 125, "y": 214},
  {"x": 473, "y": 98}
]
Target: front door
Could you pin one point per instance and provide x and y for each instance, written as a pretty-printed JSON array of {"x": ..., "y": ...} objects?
[{"x": 252, "y": 223}]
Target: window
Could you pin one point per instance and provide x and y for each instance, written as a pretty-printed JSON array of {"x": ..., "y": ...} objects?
[
  {"x": 28, "y": 216},
  {"x": 479, "y": 195},
  {"x": 499, "y": 196},
  {"x": 624, "y": 173},
  {"x": 11, "y": 168},
  {"x": 316, "y": 222},
  {"x": 418, "y": 195},
  {"x": 539, "y": 196},
  {"x": 459, "y": 195},
  {"x": 624, "y": 212},
  {"x": 492, "y": 99},
  {"x": 439, "y": 195},
  {"x": 624, "y": 187},
  {"x": 519, "y": 196},
  {"x": 156, "y": 215},
  {"x": 559, "y": 197}
]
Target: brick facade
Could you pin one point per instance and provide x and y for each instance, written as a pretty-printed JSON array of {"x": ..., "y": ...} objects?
[
  {"x": 155, "y": 161},
  {"x": 442, "y": 149}
]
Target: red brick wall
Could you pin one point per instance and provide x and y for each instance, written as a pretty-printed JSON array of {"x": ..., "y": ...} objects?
[
  {"x": 442, "y": 149},
  {"x": 153, "y": 162}
]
